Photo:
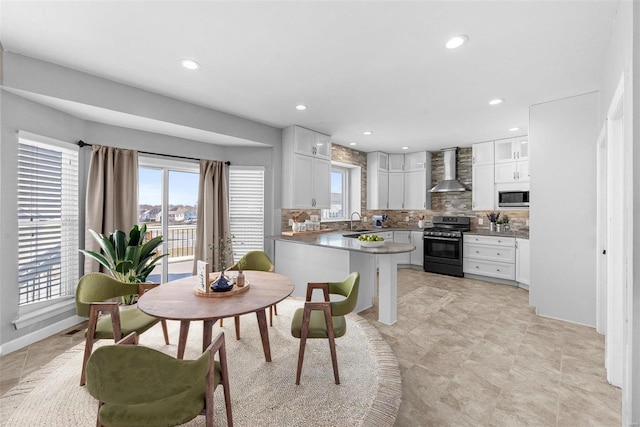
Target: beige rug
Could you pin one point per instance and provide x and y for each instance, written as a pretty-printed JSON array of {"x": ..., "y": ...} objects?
[{"x": 263, "y": 394}]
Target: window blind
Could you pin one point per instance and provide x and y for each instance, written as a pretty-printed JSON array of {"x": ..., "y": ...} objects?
[
  {"x": 47, "y": 220},
  {"x": 246, "y": 209}
]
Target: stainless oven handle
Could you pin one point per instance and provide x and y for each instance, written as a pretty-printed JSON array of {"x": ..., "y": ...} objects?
[{"x": 448, "y": 239}]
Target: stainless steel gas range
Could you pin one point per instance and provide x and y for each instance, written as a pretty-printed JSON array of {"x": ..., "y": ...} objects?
[{"x": 443, "y": 245}]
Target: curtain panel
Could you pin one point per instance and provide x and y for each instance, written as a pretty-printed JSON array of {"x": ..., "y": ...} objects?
[
  {"x": 112, "y": 195},
  {"x": 213, "y": 217}
]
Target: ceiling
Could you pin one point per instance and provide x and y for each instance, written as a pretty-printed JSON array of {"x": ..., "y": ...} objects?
[{"x": 357, "y": 66}]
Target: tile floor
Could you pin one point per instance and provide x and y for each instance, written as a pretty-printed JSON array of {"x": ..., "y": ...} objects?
[{"x": 471, "y": 353}]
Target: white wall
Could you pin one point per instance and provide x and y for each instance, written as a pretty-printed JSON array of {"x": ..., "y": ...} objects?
[
  {"x": 563, "y": 136},
  {"x": 17, "y": 113}
]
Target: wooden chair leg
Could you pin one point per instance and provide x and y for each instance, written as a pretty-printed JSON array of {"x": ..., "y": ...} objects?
[
  {"x": 332, "y": 343},
  {"x": 88, "y": 346},
  {"x": 236, "y": 321},
  {"x": 271, "y": 316},
  {"x": 165, "y": 331},
  {"x": 226, "y": 389},
  {"x": 98, "y": 423},
  {"x": 221, "y": 322},
  {"x": 304, "y": 332}
]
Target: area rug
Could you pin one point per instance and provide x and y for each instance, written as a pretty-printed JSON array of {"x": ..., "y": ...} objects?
[{"x": 263, "y": 394}]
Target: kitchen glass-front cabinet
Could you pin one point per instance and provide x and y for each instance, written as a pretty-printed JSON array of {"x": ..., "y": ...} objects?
[{"x": 512, "y": 149}]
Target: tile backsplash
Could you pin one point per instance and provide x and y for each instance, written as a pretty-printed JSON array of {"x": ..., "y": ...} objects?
[{"x": 454, "y": 203}]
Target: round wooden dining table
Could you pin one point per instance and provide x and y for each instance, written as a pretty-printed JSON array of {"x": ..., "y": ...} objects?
[{"x": 177, "y": 300}]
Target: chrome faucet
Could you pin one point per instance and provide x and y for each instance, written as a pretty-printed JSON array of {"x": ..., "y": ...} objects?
[{"x": 351, "y": 219}]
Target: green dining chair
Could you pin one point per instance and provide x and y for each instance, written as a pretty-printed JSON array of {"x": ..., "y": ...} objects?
[
  {"x": 92, "y": 293},
  {"x": 257, "y": 261},
  {"x": 325, "y": 319},
  {"x": 138, "y": 386}
]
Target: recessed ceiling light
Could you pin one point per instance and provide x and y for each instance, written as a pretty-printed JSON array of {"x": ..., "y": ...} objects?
[
  {"x": 353, "y": 143},
  {"x": 301, "y": 107},
  {"x": 190, "y": 64},
  {"x": 367, "y": 132},
  {"x": 513, "y": 129},
  {"x": 496, "y": 101},
  {"x": 456, "y": 41},
  {"x": 405, "y": 148}
]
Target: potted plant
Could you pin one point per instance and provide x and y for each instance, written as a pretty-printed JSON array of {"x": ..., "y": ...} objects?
[
  {"x": 129, "y": 258},
  {"x": 499, "y": 224},
  {"x": 493, "y": 217},
  {"x": 240, "y": 278}
]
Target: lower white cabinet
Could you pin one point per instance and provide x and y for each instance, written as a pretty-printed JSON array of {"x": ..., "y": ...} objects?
[
  {"x": 417, "y": 256},
  {"x": 403, "y": 237},
  {"x": 492, "y": 256},
  {"x": 522, "y": 261}
]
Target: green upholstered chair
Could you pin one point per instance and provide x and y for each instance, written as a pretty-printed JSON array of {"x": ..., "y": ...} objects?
[
  {"x": 325, "y": 319},
  {"x": 257, "y": 261},
  {"x": 140, "y": 386},
  {"x": 92, "y": 293}
]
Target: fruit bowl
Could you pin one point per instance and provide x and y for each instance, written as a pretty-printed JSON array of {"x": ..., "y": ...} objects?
[{"x": 375, "y": 244}]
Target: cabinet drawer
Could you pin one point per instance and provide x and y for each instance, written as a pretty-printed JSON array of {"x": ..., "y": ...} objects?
[
  {"x": 490, "y": 240},
  {"x": 489, "y": 268},
  {"x": 490, "y": 252}
]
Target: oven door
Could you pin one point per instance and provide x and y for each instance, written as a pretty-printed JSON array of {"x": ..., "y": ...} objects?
[{"x": 444, "y": 250}]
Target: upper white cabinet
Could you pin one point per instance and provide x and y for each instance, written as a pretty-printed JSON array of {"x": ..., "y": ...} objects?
[
  {"x": 311, "y": 143},
  {"x": 396, "y": 187},
  {"x": 482, "y": 194},
  {"x": 512, "y": 149},
  {"x": 396, "y": 162},
  {"x": 512, "y": 160},
  {"x": 482, "y": 153},
  {"x": 377, "y": 180},
  {"x": 306, "y": 169},
  {"x": 404, "y": 186}
]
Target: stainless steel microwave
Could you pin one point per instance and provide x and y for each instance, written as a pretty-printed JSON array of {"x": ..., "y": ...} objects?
[{"x": 513, "y": 199}]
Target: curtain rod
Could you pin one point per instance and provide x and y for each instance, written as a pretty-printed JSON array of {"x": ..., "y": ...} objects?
[{"x": 81, "y": 144}]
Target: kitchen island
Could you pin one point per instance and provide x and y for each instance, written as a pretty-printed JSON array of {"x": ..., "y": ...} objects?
[{"x": 330, "y": 257}]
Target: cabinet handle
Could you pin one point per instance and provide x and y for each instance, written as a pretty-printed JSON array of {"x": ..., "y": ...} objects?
[
  {"x": 477, "y": 266},
  {"x": 514, "y": 176},
  {"x": 497, "y": 269},
  {"x": 473, "y": 160},
  {"x": 477, "y": 252},
  {"x": 498, "y": 254}
]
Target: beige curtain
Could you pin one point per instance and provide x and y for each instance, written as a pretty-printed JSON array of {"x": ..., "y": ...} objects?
[
  {"x": 112, "y": 195},
  {"x": 213, "y": 216}
]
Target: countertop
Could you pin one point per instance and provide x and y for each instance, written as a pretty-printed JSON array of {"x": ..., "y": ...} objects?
[
  {"x": 520, "y": 234},
  {"x": 336, "y": 240}
]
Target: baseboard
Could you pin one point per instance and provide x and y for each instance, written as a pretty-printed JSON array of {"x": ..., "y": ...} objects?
[{"x": 40, "y": 334}]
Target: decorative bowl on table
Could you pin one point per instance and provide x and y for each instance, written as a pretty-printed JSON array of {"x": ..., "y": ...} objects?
[
  {"x": 371, "y": 244},
  {"x": 222, "y": 284}
]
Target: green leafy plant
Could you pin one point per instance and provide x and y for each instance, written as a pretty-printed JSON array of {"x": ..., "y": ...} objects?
[
  {"x": 505, "y": 219},
  {"x": 128, "y": 258}
]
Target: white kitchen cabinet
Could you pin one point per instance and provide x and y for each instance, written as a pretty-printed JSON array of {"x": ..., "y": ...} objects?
[
  {"x": 396, "y": 162},
  {"x": 310, "y": 143},
  {"x": 377, "y": 180},
  {"x": 482, "y": 153},
  {"x": 417, "y": 256},
  {"x": 311, "y": 190},
  {"x": 396, "y": 190},
  {"x": 491, "y": 256},
  {"x": 512, "y": 172},
  {"x": 403, "y": 237},
  {"x": 306, "y": 169},
  {"x": 415, "y": 191},
  {"x": 512, "y": 149},
  {"x": 416, "y": 161},
  {"x": 483, "y": 179},
  {"x": 522, "y": 261}
]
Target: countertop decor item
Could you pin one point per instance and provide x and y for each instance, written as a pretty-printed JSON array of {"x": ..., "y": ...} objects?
[
  {"x": 371, "y": 244},
  {"x": 221, "y": 284}
]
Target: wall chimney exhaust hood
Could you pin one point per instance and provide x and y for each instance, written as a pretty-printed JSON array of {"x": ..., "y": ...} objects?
[{"x": 450, "y": 183}]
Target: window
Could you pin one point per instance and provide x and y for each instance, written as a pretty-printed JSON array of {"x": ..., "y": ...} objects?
[
  {"x": 339, "y": 195},
  {"x": 171, "y": 186},
  {"x": 246, "y": 209},
  {"x": 48, "y": 219}
]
